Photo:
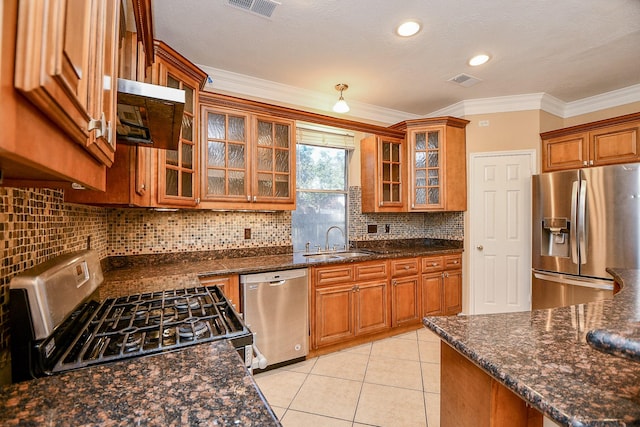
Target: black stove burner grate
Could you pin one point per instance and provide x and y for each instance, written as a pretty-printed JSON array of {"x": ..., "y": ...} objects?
[{"x": 148, "y": 323}]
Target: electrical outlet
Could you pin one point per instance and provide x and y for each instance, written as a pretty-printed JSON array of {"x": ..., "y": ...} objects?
[
  {"x": 247, "y": 233},
  {"x": 387, "y": 227},
  {"x": 372, "y": 228}
]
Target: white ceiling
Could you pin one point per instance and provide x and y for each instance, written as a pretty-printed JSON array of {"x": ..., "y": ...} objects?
[{"x": 569, "y": 49}]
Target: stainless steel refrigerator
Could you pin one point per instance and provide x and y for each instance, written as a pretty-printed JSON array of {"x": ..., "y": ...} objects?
[{"x": 583, "y": 222}]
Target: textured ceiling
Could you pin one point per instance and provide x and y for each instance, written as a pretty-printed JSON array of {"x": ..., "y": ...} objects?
[{"x": 570, "y": 49}]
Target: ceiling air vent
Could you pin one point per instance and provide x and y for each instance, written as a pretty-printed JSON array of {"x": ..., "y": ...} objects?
[
  {"x": 464, "y": 80},
  {"x": 259, "y": 7}
]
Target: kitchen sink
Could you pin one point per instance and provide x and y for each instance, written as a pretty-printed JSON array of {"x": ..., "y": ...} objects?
[
  {"x": 331, "y": 256},
  {"x": 352, "y": 254}
]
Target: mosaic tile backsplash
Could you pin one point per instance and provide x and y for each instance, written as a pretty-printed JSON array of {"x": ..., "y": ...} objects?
[
  {"x": 436, "y": 225},
  {"x": 36, "y": 224},
  {"x": 144, "y": 231}
]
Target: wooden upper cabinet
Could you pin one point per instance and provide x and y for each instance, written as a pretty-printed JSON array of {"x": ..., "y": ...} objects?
[
  {"x": 383, "y": 163},
  {"x": 274, "y": 164},
  {"x": 129, "y": 178},
  {"x": 436, "y": 164},
  {"x": 66, "y": 64},
  {"x": 565, "y": 152},
  {"x": 605, "y": 142},
  {"x": 248, "y": 160},
  {"x": 225, "y": 165},
  {"x": 178, "y": 170},
  {"x": 615, "y": 144},
  {"x": 426, "y": 159}
]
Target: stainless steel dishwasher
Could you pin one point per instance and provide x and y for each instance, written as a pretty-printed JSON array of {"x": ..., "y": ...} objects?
[{"x": 276, "y": 310}]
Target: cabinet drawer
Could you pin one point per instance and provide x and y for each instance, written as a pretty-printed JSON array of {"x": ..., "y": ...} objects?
[
  {"x": 404, "y": 267},
  {"x": 333, "y": 275},
  {"x": 371, "y": 270},
  {"x": 452, "y": 262},
  {"x": 432, "y": 263}
]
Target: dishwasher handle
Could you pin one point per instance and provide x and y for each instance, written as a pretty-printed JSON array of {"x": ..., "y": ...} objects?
[
  {"x": 273, "y": 276},
  {"x": 278, "y": 283}
]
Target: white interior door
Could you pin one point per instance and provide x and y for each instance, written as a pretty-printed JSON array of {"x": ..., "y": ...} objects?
[{"x": 500, "y": 230}]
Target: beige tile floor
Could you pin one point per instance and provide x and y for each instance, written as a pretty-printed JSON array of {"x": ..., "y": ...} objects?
[{"x": 390, "y": 382}]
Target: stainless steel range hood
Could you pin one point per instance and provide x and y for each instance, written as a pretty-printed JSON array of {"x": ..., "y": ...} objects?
[{"x": 149, "y": 114}]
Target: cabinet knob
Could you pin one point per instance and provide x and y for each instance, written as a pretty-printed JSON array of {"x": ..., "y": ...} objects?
[
  {"x": 434, "y": 264},
  {"x": 255, "y": 198},
  {"x": 584, "y": 163},
  {"x": 590, "y": 162},
  {"x": 406, "y": 267},
  {"x": 395, "y": 283},
  {"x": 479, "y": 247}
]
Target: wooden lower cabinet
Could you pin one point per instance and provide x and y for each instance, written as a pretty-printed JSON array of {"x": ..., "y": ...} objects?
[
  {"x": 432, "y": 301},
  {"x": 452, "y": 292},
  {"x": 345, "y": 305},
  {"x": 229, "y": 285},
  {"x": 442, "y": 285},
  {"x": 405, "y": 291},
  {"x": 333, "y": 315},
  {"x": 346, "y": 311},
  {"x": 405, "y": 300},
  {"x": 469, "y": 397},
  {"x": 371, "y": 307},
  {"x": 351, "y": 300}
]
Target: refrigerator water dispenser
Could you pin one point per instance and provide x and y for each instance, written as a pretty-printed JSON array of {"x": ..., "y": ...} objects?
[{"x": 555, "y": 240}]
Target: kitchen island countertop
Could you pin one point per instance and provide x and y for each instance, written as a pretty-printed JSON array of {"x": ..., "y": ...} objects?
[
  {"x": 544, "y": 356},
  {"x": 204, "y": 384}
]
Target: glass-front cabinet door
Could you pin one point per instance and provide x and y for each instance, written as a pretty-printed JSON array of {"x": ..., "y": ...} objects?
[
  {"x": 225, "y": 163},
  {"x": 274, "y": 153},
  {"x": 426, "y": 177},
  {"x": 178, "y": 169},
  {"x": 391, "y": 170}
]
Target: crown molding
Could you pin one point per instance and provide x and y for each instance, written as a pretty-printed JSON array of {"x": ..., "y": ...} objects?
[
  {"x": 255, "y": 88},
  {"x": 611, "y": 99}
]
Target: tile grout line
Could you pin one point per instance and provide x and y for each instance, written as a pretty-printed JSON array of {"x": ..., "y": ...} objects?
[
  {"x": 306, "y": 377},
  {"x": 353, "y": 421}
]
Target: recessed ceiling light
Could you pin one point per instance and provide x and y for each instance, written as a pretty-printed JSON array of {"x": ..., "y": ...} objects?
[
  {"x": 479, "y": 60},
  {"x": 408, "y": 28}
]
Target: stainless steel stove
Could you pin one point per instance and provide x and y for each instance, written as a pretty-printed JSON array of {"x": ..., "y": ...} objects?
[{"x": 56, "y": 326}]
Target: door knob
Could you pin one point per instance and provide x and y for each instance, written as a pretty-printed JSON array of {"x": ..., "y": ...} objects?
[{"x": 480, "y": 247}]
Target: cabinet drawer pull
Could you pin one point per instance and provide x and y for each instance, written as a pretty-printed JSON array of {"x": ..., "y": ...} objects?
[{"x": 406, "y": 267}]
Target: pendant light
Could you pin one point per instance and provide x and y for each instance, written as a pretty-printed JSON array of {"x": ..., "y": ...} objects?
[{"x": 341, "y": 106}]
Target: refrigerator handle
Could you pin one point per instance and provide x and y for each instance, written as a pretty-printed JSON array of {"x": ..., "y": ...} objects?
[
  {"x": 582, "y": 231},
  {"x": 574, "y": 223}
]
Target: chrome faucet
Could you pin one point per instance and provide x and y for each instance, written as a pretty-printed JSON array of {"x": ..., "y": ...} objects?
[{"x": 326, "y": 239}]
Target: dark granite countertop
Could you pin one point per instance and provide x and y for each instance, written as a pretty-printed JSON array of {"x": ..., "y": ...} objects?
[
  {"x": 204, "y": 384},
  {"x": 545, "y": 358},
  {"x": 620, "y": 334},
  {"x": 207, "y": 264},
  {"x": 146, "y": 273}
]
